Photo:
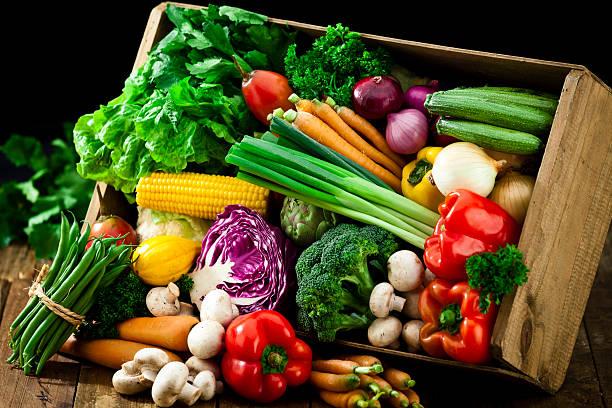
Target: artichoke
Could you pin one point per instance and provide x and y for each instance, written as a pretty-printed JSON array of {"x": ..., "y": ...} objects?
[{"x": 304, "y": 223}]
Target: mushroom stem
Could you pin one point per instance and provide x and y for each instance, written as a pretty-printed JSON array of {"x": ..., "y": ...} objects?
[
  {"x": 172, "y": 293},
  {"x": 397, "y": 303},
  {"x": 189, "y": 394}
]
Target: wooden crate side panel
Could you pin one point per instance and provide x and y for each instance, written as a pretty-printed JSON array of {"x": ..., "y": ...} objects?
[{"x": 563, "y": 236}]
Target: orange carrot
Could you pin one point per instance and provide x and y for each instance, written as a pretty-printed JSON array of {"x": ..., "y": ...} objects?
[
  {"x": 169, "y": 332},
  {"x": 398, "y": 379},
  {"x": 328, "y": 115},
  {"x": 363, "y": 360},
  {"x": 334, "y": 382},
  {"x": 367, "y": 383},
  {"x": 322, "y": 133},
  {"x": 344, "y": 367},
  {"x": 413, "y": 397},
  {"x": 405, "y": 399},
  {"x": 302, "y": 105},
  {"x": 364, "y": 127},
  {"x": 384, "y": 386},
  {"x": 352, "y": 399},
  {"x": 107, "y": 352}
]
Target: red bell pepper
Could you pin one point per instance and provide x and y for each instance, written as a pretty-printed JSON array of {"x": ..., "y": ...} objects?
[
  {"x": 263, "y": 356},
  {"x": 453, "y": 325},
  {"x": 469, "y": 224}
]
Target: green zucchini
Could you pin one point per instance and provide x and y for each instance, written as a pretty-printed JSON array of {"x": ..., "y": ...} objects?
[
  {"x": 489, "y": 136},
  {"x": 511, "y": 95},
  {"x": 504, "y": 114}
]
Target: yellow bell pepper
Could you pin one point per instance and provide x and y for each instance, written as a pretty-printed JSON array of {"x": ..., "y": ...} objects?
[{"x": 420, "y": 188}]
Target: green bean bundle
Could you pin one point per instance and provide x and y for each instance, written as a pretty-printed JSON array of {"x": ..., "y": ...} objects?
[{"x": 69, "y": 288}]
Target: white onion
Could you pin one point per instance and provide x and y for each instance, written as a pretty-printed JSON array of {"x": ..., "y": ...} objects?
[
  {"x": 513, "y": 193},
  {"x": 465, "y": 165},
  {"x": 406, "y": 131}
]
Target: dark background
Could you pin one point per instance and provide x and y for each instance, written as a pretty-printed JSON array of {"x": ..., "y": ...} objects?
[{"x": 63, "y": 59}]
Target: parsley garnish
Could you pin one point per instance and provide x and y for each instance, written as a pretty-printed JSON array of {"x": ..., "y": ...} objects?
[{"x": 496, "y": 274}]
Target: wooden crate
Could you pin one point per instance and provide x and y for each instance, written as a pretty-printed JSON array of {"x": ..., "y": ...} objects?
[{"x": 569, "y": 213}]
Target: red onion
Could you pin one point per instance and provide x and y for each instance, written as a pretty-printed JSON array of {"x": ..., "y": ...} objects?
[
  {"x": 438, "y": 139},
  {"x": 375, "y": 97},
  {"x": 406, "y": 131},
  {"x": 415, "y": 97}
]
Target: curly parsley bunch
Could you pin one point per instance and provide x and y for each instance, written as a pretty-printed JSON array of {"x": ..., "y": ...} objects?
[{"x": 334, "y": 64}]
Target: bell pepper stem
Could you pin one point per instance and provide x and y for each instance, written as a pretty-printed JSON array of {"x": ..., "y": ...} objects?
[
  {"x": 450, "y": 317},
  {"x": 275, "y": 359}
]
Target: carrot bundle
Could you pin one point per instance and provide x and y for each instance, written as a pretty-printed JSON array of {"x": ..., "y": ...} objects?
[
  {"x": 329, "y": 116},
  {"x": 322, "y": 133},
  {"x": 364, "y": 127}
]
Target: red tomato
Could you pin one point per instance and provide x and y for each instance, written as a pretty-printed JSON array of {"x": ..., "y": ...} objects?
[
  {"x": 265, "y": 91},
  {"x": 112, "y": 227}
]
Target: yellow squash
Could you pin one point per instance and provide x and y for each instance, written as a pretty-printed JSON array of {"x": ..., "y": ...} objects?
[{"x": 163, "y": 259}]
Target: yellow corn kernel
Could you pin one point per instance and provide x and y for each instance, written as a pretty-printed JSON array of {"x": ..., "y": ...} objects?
[{"x": 198, "y": 195}]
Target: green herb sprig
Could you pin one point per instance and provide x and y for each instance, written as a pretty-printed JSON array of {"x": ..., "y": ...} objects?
[{"x": 496, "y": 274}]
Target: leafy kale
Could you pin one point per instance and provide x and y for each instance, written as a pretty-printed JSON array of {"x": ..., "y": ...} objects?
[
  {"x": 124, "y": 299},
  {"x": 184, "y": 106},
  {"x": 496, "y": 274},
  {"x": 334, "y": 64},
  {"x": 184, "y": 283},
  {"x": 334, "y": 280},
  {"x": 31, "y": 209}
]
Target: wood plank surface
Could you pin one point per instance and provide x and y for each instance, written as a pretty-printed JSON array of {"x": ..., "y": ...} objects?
[
  {"x": 563, "y": 236},
  {"x": 598, "y": 322},
  {"x": 56, "y": 386}
]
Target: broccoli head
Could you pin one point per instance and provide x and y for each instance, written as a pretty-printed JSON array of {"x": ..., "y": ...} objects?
[
  {"x": 334, "y": 282},
  {"x": 122, "y": 300}
]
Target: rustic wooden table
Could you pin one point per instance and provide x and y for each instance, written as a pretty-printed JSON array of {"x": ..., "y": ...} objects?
[{"x": 67, "y": 383}]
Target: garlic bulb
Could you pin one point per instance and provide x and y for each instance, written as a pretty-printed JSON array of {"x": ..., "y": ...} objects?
[
  {"x": 465, "y": 165},
  {"x": 513, "y": 193}
]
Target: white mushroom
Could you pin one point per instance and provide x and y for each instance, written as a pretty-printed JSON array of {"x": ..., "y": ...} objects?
[
  {"x": 410, "y": 335},
  {"x": 163, "y": 301},
  {"x": 207, "y": 383},
  {"x": 186, "y": 309},
  {"x": 405, "y": 271},
  {"x": 429, "y": 276},
  {"x": 411, "y": 307},
  {"x": 171, "y": 385},
  {"x": 395, "y": 345},
  {"x": 127, "y": 384},
  {"x": 235, "y": 311},
  {"x": 138, "y": 374},
  {"x": 383, "y": 301},
  {"x": 217, "y": 305},
  {"x": 197, "y": 365},
  {"x": 384, "y": 331},
  {"x": 205, "y": 339}
]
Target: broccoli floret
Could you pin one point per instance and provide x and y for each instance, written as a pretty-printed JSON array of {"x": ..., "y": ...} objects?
[
  {"x": 387, "y": 245},
  {"x": 124, "y": 299},
  {"x": 184, "y": 283},
  {"x": 328, "y": 328},
  {"x": 334, "y": 283}
]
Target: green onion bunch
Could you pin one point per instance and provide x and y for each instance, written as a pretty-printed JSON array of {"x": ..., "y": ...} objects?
[{"x": 310, "y": 179}]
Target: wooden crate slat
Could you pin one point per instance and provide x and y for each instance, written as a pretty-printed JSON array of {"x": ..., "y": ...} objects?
[
  {"x": 563, "y": 236},
  {"x": 598, "y": 322},
  {"x": 293, "y": 398}
]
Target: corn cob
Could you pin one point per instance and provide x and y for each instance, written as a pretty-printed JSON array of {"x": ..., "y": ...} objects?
[{"x": 198, "y": 195}]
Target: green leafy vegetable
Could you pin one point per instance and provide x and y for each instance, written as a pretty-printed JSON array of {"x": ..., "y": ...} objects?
[
  {"x": 334, "y": 64},
  {"x": 184, "y": 283},
  {"x": 124, "y": 299},
  {"x": 496, "y": 274},
  {"x": 31, "y": 208},
  {"x": 184, "y": 106}
]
